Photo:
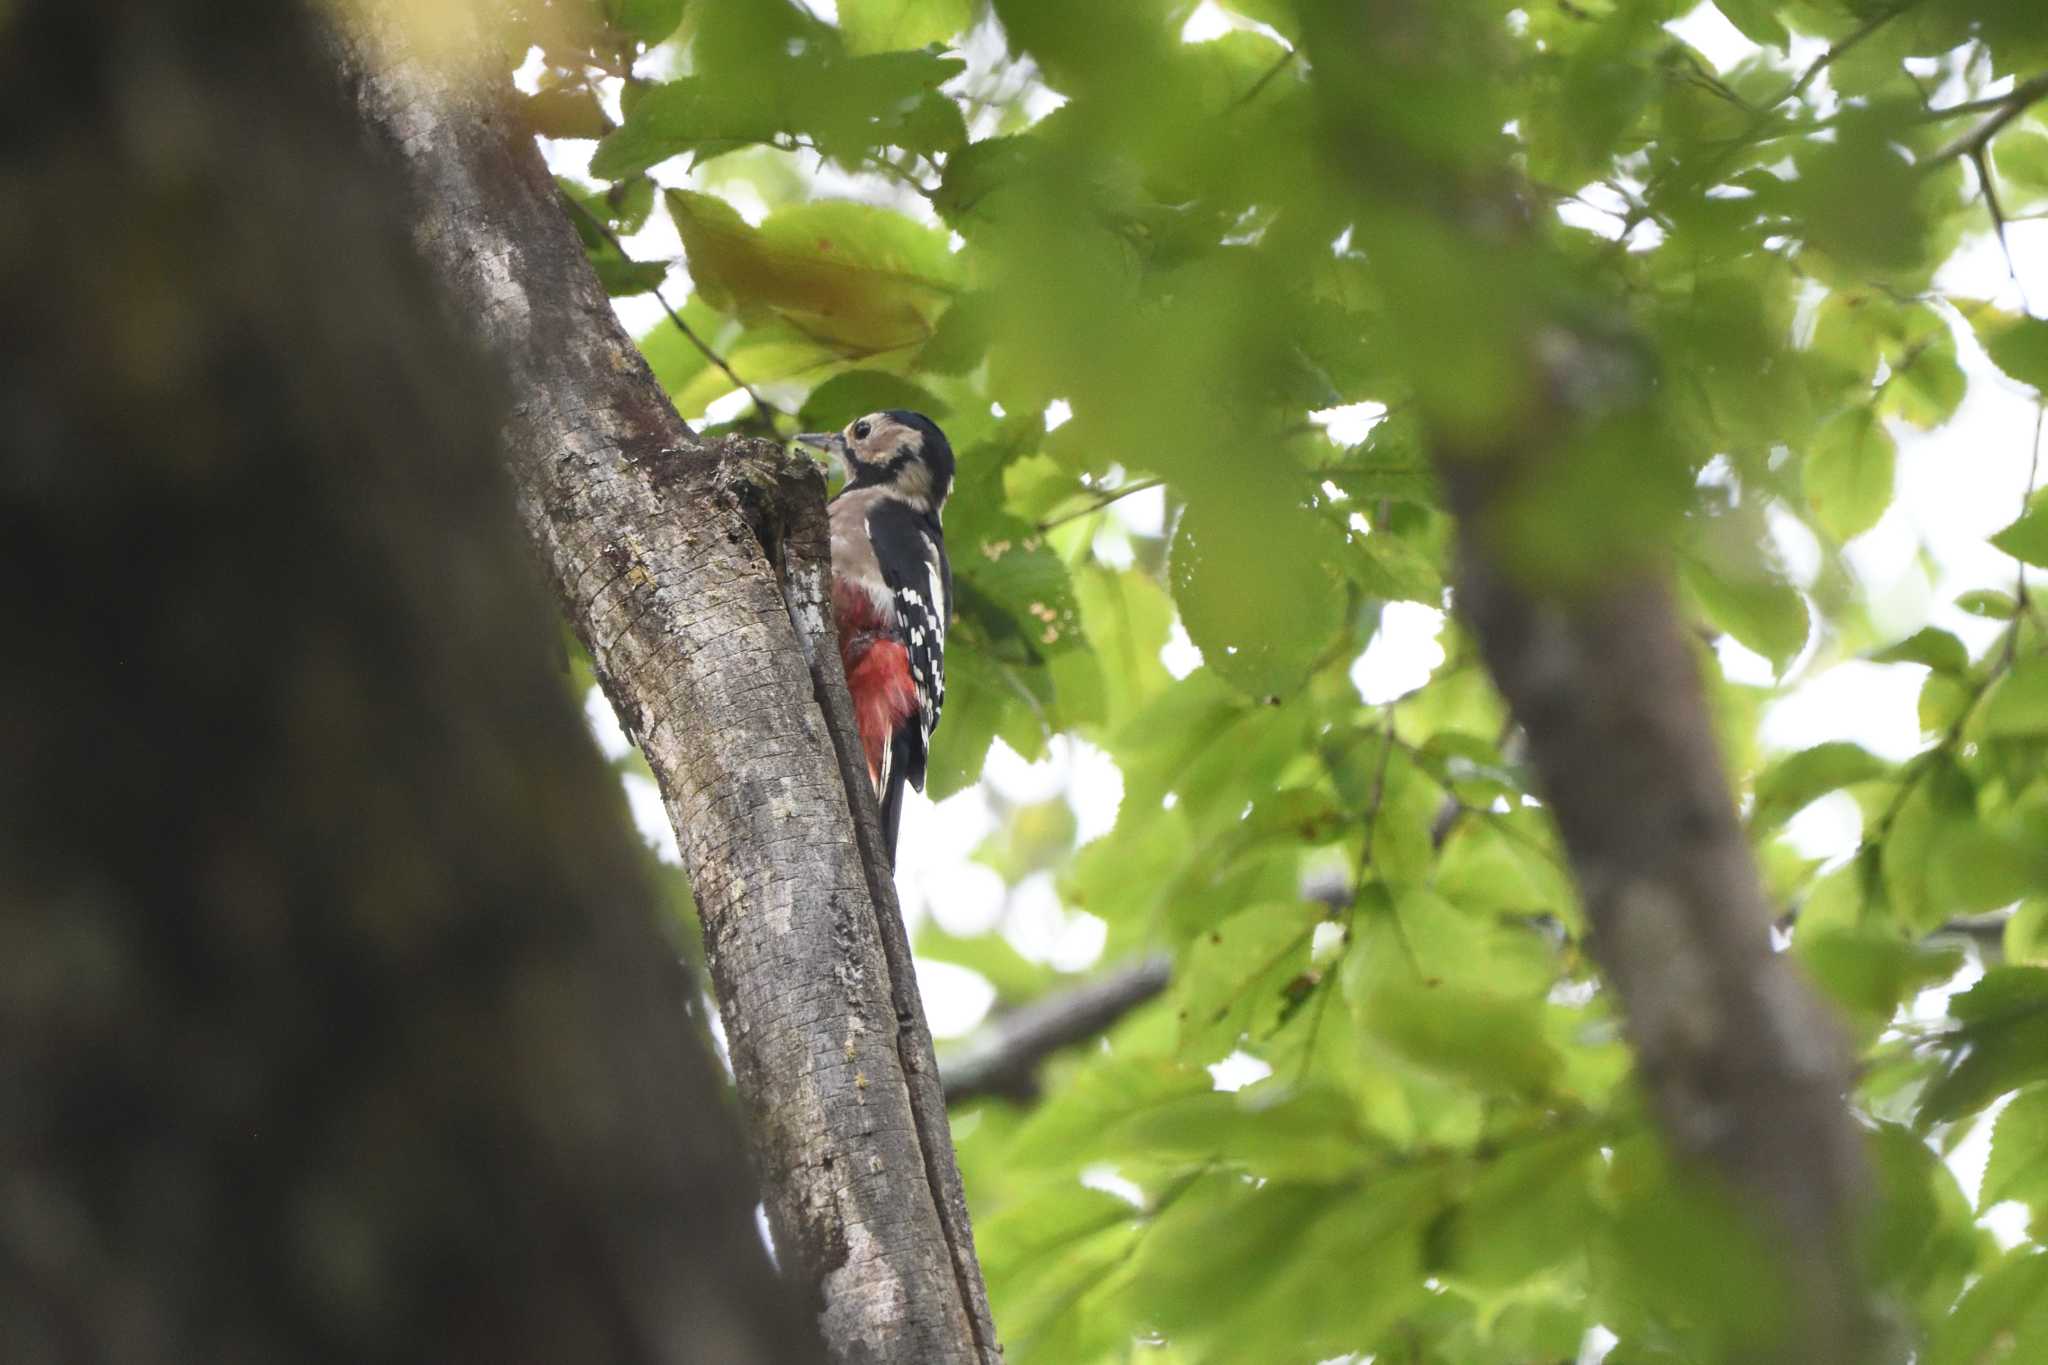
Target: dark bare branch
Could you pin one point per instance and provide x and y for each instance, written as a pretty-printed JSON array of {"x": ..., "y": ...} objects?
[
  {"x": 1003, "y": 1059},
  {"x": 2004, "y": 110}
]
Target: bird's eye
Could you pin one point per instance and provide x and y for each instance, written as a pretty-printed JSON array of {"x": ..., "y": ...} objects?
[{"x": 860, "y": 430}]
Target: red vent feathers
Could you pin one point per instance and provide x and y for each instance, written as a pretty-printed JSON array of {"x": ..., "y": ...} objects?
[{"x": 877, "y": 672}]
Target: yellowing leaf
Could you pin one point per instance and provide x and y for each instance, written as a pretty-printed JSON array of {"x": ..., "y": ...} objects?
[{"x": 859, "y": 279}]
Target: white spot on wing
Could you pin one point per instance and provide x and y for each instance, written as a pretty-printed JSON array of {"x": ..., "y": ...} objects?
[{"x": 940, "y": 614}]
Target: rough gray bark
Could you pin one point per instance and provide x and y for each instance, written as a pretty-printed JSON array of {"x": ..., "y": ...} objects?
[
  {"x": 1743, "y": 1065},
  {"x": 337, "y": 1021},
  {"x": 696, "y": 576}
]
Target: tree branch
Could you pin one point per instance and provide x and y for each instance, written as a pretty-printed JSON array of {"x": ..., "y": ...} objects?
[
  {"x": 1743, "y": 1066},
  {"x": 682, "y": 565},
  {"x": 1097, "y": 504},
  {"x": 1003, "y": 1059},
  {"x": 1839, "y": 50},
  {"x": 2004, "y": 110}
]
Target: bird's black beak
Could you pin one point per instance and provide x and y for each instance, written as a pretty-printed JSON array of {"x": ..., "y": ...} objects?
[{"x": 831, "y": 442}]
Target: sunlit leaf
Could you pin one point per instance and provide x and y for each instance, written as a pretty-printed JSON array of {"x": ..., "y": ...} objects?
[
  {"x": 1258, "y": 600},
  {"x": 2003, "y": 1317},
  {"x": 1848, "y": 472},
  {"x": 880, "y": 25},
  {"x": 2017, "y": 704},
  {"x": 2027, "y": 538}
]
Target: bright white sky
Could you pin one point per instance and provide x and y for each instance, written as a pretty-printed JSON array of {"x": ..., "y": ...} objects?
[{"x": 1956, "y": 486}]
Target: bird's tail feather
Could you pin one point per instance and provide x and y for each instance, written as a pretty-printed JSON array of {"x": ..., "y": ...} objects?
[{"x": 895, "y": 773}]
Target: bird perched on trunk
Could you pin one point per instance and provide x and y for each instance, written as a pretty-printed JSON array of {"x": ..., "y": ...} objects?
[{"x": 892, "y": 589}]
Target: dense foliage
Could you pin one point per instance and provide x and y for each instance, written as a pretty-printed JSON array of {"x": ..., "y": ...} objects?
[{"x": 990, "y": 210}]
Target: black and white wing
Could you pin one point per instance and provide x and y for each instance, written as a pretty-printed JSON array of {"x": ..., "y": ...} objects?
[{"x": 911, "y": 551}]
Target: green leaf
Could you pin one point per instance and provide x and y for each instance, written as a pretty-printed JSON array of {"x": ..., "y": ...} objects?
[
  {"x": 879, "y": 25},
  {"x": 1445, "y": 1025},
  {"x": 1757, "y": 20},
  {"x": 648, "y": 20},
  {"x": 1848, "y": 472},
  {"x": 1921, "y": 1232},
  {"x": 674, "y": 358},
  {"x": 2026, "y": 934},
  {"x": 844, "y": 106},
  {"x": 1033, "y": 838},
  {"x": 1080, "y": 1129},
  {"x": 1938, "y": 796},
  {"x": 858, "y": 280},
  {"x": 1928, "y": 384},
  {"x": 1015, "y": 977},
  {"x": 622, "y": 278},
  {"x": 844, "y": 397},
  {"x": 1506, "y": 864},
  {"x": 1977, "y": 867},
  {"x": 1242, "y": 975},
  {"x": 1388, "y": 567},
  {"x": 2021, "y": 156},
  {"x": 1057, "y": 1261},
  {"x": 1792, "y": 783},
  {"x": 2017, "y": 704},
  {"x": 1930, "y": 645},
  {"x": 1228, "y": 1268},
  {"x": 2002, "y": 1320},
  {"x": 564, "y": 112},
  {"x": 1127, "y": 619},
  {"x": 1872, "y": 973},
  {"x": 2000, "y": 1043},
  {"x": 1255, "y": 590},
  {"x": 1523, "y": 1215},
  {"x": 1944, "y": 700},
  {"x": 1762, "y": 612},
  {"x": 1989, "y": 603},
  {"x": 2017, "y": 345},
  {"x": 1273, "y": 1133},
  {"x": 2018, "y": 1165},
  {"x": 2027, "y": 539}
]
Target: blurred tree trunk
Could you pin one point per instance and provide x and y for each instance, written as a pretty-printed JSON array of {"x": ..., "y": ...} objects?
[
  {"x": 697, "y": 576},
  {"x": 1743, "y": 1065},
  {"x": 338, "y": 1021}
]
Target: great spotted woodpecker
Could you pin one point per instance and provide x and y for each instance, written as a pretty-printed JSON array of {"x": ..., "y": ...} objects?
[{"x": 892, "y": 589}]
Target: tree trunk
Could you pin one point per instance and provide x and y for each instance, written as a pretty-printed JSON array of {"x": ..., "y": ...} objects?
[
  {"x": 1743, "y": 1066},
  {"x": 696, "y": 576},
  {"x": 339, "y": 1022}
]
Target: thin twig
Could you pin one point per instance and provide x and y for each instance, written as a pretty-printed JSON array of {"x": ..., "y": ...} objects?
[
  {"x": 2020, "y": 588},
  {"x": 1840, "y": 50},
  {"x": 904, "y": 176},
  {"x": 1378, "y": 797},
  {"x": 2010, "y": 106},
  {"x": 1263, "y": 81},
  {"x": 603, "y": 229},
  {"x": 1139, "y": 486},
  {"x": 1760, "y": 129},
  {"x": 1981, "y": 159}
]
